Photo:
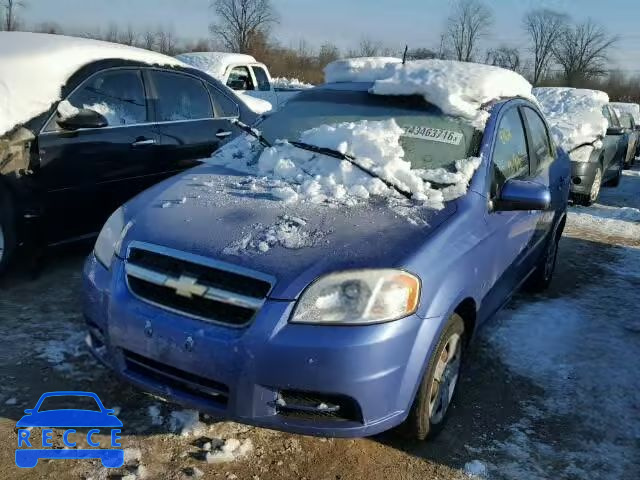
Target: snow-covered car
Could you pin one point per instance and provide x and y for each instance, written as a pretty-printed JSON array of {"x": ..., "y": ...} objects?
[
  {"x": 326, "y": 272},
  {"x": 86, "y": 125},
  {"x": 586, "y": 127},
  {"x": 629, "y": 115},
  {"x": 247, "y": 77}
]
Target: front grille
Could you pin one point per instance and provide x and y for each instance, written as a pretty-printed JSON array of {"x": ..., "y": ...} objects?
[
  {"x": 197, "y": 287},
  {"x": 315, "y": 406},
  {"x": 178, "y": 380}
]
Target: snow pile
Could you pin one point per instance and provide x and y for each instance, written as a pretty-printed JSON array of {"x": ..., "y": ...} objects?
[
  {"x": 154, "y": 413},
  {"x": 574, "y": 115},
  {"x": 290, "y": 84},
  {"x": 187, "y": 422},
  {"x": 35, "y": 66},
  {"x": 632, "y": 108},
  {"x": 304, "y": 176},
  {"x": 288, "y": 232},
  {"x": 214, "y": 63},
  {"x": 459, "y": 89},
  {"x": 364, "y": 69},
  {"x": 230, "y": 450}
]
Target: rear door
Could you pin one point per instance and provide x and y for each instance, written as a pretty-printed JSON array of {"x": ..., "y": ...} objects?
[
  {"x": 88, "y": 173},
  {"x": 185, "y": 119},
  {"x": 612, "y": 146},
  {"x": 510, "y": 233}
]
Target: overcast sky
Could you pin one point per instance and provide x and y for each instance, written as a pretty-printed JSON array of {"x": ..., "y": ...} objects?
[{"x": 345, "y": 22}]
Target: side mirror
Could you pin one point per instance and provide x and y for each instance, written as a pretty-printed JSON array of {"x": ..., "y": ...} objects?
[
  {"x": 84, "y": 118},
  {"x": 522, "y": 195},
  {"x": 615, "y": 131}
]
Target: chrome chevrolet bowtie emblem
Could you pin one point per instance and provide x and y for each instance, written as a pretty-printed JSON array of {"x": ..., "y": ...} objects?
[{"x": 186, "y": 286}]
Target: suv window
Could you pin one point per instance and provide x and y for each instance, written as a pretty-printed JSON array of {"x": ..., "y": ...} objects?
[
  {"x": 240, "y": 79},
  {"x": 626, "y": 120},
  {"x": 261, "y": 78},
  {"x": 118, "y": 95},
  {"x": 539, "y": 136},
  {"x": 180, "y": 97},
  {"x": 510, "y": 156},
  {"x": 223, "y": 106}
]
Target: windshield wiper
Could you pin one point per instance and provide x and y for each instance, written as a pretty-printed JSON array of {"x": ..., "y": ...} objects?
[
  {"x": 352, "y": 160},
  {"x": 254, "y": 132}
]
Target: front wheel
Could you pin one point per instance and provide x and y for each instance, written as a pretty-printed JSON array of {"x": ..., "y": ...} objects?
[
  {"x": 437, "y": 387},
  {"x": 541, "y": 278},
  {"x": 615, "y": 181},
  {"x": 588, "y": 199}
]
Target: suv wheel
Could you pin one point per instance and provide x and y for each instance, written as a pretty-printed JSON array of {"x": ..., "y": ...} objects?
[
  {"x": 429, "y": 409},
  {"x": 7, "y": 232}
]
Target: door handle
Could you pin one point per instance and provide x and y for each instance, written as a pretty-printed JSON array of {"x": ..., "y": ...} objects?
[
  {"x": 143, "y": 142},
  {"x": 223, "y": 134}
]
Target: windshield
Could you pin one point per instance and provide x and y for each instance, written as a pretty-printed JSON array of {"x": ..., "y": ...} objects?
[{"x": 431, "y": 139}]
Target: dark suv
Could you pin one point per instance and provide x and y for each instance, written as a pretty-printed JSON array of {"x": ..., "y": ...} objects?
[{"x": 121, "y": 127}]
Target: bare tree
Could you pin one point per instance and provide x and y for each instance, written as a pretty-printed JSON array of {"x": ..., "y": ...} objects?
[
  {"x": 240, "y": 22},
  {"x": 544, "y": 27},
  {"x": 129, "y": 36},
  {"x": 505, "y": 57},
  {"x": 112, "y": 33},
  {"x": 468, "y": 22},
  {"x": 421, "y": 54},
  {"x": 10, "y": 8},
  {"x": 328, "y": 53},
  {"x": 368, "y": 48},
  {"x": 149, "y": 40},
  {"x": 166, "y": 42},
  {"x": 582, "y": 51}
]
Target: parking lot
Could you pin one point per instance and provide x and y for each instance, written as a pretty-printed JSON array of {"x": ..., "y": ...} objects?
[{"x": 549, "y": 387}]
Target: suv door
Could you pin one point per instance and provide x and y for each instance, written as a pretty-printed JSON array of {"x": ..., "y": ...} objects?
[
  {"x": 264, "y": 90},
  {"x": 89, "y": 172},
  {"x": 185, "y": 119},
  {"x": 511, "y": 233}
]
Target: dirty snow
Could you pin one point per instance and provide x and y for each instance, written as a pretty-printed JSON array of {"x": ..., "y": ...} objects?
[
  {"x": 632, "y": 108},
  {"x": 230, "y": 450},
  {"x": 36, "y": 65},
  {"x": 215, "y": 63},
  {"x": 475, "y": 469},
  {"x": 186, "y": 423},
  {"x": 574, "y": 115},
  {"x": 290, "y": 83},
  {"x": 156, "y": 419},
  {"x": 300, "y": 176}
]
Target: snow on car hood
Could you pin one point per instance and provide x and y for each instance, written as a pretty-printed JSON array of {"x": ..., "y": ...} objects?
[
  {"x": 574, "y": 115},
  {"x": 258, "y": 105},
  {"x": 35, "y": 66},
  {"x": 222, "y": 213},
  {"x": 214, "y": 63},
  {"x": 458, "y": 88}
]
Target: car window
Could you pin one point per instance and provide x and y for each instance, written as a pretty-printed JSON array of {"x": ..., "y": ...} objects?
[
  {"x": 223, "y": 105},
  {"x": 67, "y": 402},
  {"x": 626, "y": 120},
  {"x": 262, "y": 79},
  {"x": 118, "y": 95},
  {"x": 607, "y": 114},
  {"x": 240, "y": 79},
  {"x": 180, "y": 97},
  {"x": 539, "y": 136},
  {"x": 510, "y": 156}
]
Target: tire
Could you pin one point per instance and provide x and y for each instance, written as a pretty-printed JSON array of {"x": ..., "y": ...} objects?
[
  {"x": 587, "y": 200},
  {"x": 7, "y": 231},
  {"x": 542, "y": 276},
  {"x": 427, "y": 417}
]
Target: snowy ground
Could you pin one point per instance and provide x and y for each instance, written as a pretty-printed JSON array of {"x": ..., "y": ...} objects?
[{"x": 549, "y": 391}]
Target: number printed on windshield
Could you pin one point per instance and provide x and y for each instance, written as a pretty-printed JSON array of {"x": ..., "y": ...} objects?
[{"x": 433, "y": 134}]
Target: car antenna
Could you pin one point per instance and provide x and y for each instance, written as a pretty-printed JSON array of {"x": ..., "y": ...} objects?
[{"x": 404, "y": 55}]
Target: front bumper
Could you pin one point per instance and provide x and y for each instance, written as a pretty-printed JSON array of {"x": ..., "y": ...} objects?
[
  {"x": 371, "y": 372},
  {"x": 582, "y": 175}
]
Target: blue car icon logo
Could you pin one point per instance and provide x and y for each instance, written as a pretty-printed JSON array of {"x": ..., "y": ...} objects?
[{"x": 27, "y": 455}]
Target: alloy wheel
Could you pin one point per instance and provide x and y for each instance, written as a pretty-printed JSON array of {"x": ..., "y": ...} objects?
[
  {"x": 445, "y": 378},
  {"x": 595, "y": 187}
]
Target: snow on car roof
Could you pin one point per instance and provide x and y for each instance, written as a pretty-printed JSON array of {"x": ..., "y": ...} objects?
[
  {"x": 574, "y": 114},
  {"x": 35, "y": 66},
  {"x": 214, "y": 63},
  {"x": 458, "y": 88},
  {"x": 632, "y": 108}
]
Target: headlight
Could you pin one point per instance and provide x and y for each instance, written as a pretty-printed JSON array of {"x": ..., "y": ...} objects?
[
  {"x": 108, "y": 242},
  {"x": 359, "y": 297},
  {"x": 581, "y": 154}
]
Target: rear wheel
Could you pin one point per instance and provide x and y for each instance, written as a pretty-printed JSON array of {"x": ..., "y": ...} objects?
[
  {"x": 429, "y": 409},
  {"x": 7, "y": 230}
]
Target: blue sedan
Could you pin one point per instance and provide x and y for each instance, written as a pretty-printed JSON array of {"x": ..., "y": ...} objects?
[{"x": 363, "y": 330}]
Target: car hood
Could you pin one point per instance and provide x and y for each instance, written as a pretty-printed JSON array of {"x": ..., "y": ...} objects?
[
  {"x": 216, "y": 212},
  {"x": 69, "y": 418}
]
